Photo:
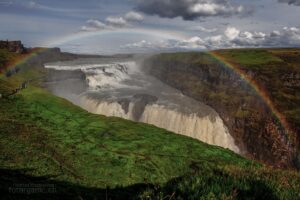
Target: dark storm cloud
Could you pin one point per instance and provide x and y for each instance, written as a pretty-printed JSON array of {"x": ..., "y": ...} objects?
[
  {"x": 291, "y": 2},
  {"x": 191, "y": 9}
]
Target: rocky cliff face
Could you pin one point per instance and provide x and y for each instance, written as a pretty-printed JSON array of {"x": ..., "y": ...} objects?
[
  {"x": 13, "y": 46},
  {"x": 249, "y": 119}
]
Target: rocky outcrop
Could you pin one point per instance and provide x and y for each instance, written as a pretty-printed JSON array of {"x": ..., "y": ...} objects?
[
  {"x": 13, "y": 46},
  {"x": 249, "y": 119}
]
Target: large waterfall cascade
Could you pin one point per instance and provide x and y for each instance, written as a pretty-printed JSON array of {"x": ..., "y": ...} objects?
[{"x": 122, "y": 89}]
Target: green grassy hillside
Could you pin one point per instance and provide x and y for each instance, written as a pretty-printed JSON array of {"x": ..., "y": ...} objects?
[{"x": 47, "y": 140}]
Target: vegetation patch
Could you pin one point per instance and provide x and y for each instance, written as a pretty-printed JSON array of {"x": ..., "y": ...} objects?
[
  {"x": 250, "y": 56},
  {"x": 5, "y": 57}
]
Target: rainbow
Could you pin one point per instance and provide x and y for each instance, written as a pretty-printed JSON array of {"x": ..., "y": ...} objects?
[
  {"x": 163, "y": 34},
  {"x": 56, "y": 42},
  {"x": 257, "y": 88},
  {"x": 23, "y": 58}
]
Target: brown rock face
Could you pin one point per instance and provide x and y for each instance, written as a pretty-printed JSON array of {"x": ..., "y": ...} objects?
[
  {"x": 13, "y": 46},
  {"x": 250, "y": 121}
]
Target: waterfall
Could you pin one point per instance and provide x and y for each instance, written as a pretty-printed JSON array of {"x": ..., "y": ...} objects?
[
  {"x": 209, "y": 129},
  {"x": 121, "y": 89}
]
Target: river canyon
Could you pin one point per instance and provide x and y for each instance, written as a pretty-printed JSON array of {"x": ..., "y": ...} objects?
[{"x": 120, "y": 87}]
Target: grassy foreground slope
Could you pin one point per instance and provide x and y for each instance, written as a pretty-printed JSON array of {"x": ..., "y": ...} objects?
[{"x": 47, "y": 140}]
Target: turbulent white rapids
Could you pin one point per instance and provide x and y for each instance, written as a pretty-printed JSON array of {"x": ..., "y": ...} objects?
[{"x": 122, "y": 89}]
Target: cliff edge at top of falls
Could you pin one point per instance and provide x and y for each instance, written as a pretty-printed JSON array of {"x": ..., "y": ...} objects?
[{"x": 250, "y": 120}]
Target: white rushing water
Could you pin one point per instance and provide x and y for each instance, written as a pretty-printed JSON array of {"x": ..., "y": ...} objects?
[{"x": 123, "y": 90}]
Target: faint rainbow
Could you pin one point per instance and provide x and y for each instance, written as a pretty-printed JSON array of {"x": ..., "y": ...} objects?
[
  {"x": 81, "y": 35},
  {"x": 258, "y": 89},
  {"x": 23, "y": 58},
  {"x": 164, "y": 34}
]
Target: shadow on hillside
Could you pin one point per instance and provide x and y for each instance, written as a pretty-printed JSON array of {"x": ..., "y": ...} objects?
[{"x": 15, "y": 184}]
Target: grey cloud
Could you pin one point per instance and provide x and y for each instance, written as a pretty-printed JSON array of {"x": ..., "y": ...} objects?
[
  {"x": 116, "y": 21},
  {"x": 290, "y": 2},
  {"x": 287, "y": 37},
  {"x": 140, "y": 45},
  {"x": 191, "y": 9},
  {"x": 232, "y": 38},
  {"x": 95, "y": 25},
  {"x": 134, "y": 16},
  {"x": 113, "y": 22},
  {"x": 203, "y": 29}
]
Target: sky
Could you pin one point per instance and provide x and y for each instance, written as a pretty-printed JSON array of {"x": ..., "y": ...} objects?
[{"x": 142, "y": 26}]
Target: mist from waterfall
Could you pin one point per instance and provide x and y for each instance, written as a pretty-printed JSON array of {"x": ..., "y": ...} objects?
[{"x": 121, "y": 88}]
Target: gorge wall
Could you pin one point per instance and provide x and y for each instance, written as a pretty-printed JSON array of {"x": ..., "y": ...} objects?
[{"x": 249, "y": 120}]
